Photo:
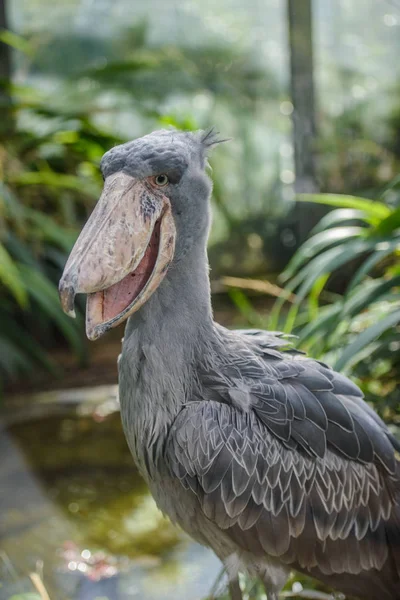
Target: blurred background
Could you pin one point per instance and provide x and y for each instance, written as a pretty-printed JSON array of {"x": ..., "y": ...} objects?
[{"x": 305, "y": 238}]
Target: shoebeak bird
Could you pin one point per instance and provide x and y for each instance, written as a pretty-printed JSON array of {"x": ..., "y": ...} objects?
[{"x": 270, "y": 458}]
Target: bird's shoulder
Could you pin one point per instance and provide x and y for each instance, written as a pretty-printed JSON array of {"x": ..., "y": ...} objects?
[
  {"x": 300, "y": 401},
  {"x": 285, "y": 457}
]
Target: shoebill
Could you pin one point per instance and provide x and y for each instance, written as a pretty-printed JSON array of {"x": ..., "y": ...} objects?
[{"x": 268, "y": 457}]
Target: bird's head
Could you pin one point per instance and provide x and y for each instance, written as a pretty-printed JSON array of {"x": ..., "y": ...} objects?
[{"x": 153, "y": 208}]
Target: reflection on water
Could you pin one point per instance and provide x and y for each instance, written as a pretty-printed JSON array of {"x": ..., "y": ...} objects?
[{"x": 72, "y": 505}]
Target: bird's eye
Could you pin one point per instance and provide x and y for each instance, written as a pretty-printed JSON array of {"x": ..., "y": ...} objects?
[{"x": 161, "y": 180}]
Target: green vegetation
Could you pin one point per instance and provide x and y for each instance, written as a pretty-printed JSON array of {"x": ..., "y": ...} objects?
[
  {"x": 357, "y": 330},
  {"x": 344, "y": 289},
  {"x": 76, "y": 92},
  {"x": 50, "y": 151},
  {"x": 49, "y": 182}
]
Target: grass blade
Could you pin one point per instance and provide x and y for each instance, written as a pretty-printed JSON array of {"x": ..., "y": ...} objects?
[
  {"x": 349, "y": 355},
  {"x": 339, "y": 217},
  {"x": 374, "y": 210},
  {"x": 319, "y": 243},
  {"x": 11, "y": 278}
]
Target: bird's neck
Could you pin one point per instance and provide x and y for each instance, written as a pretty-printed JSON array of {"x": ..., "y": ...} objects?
[
  {"x": 179, "y": 313},
  {"x": 163, "y": 344}
]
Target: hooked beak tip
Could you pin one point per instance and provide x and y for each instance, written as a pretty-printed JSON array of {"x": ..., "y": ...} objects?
[
  {"x": 67, "y": 296},
  {"x": 94, "y": 333}
]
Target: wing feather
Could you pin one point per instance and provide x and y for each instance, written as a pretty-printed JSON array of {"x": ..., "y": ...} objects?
[
  {"x": 286, "y": 458},
  {"x": 325, "y": 512}
]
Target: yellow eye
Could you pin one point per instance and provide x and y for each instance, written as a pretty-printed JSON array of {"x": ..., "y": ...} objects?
[{"x": 161, "y": 180}]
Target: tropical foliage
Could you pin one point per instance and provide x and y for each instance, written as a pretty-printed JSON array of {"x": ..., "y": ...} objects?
[
  {"x": 49, "y": 176},
  {"x": 356, "y": 330},
  {"x": 49, "y": 181},
  {"x": 49, "y": 161}
]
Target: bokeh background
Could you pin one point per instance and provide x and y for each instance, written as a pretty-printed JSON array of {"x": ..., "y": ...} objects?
[{"x": 305, "y": 238}]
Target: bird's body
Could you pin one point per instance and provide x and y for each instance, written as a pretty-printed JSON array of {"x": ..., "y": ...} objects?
[
  {"x": 221, "y": 463},
  {"x": 270, "y": 458}
]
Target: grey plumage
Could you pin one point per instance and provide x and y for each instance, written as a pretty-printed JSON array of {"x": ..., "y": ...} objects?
[{"x": 269, "y": 457}]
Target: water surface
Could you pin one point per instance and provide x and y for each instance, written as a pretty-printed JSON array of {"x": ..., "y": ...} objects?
[{"x": 73, "y": 507}]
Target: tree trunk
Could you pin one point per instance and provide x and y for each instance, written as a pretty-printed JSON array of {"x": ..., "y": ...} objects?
[
  {"x": 303, "y": 116},
  {"x": 6, "y": 121}
]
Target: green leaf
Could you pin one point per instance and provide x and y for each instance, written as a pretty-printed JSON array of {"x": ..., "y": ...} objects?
[
  {"x": 393, "y": 184},
  {"x": 388, "y": 225},
  {"x": 11, "y": 278},
  {"x": 21, "y": 251},
  {"x": 16, "y": 41},
  {"x": 13, "y": 358},
  {"x": 245, "y": 307},
  {"x": 322, "y": 324},
  {"x": 339, "y": 217},
  {"x": 55, "y": 180},
  {"x": 328, "y": 262},
  {"x": 368, "y": 293},
  {"x": 126, "y": 67},
  {"x": 373, "y": 209},
  {"x": 371, "y": 262},
  {"x": 274, "y": 316},
  {"x": 29, "y": 346},
  {"x": 291, "y": 318},
  {"x": 317, "y": 244},
  {"x": 48, "y": 230},
  {"x": 349, "y": 355},
  {"x": 12, "y": 208},
  {"x": 315, "y": 292},
  {"x": 46, "y": 295},
  {"x": 184, "y": 122}
]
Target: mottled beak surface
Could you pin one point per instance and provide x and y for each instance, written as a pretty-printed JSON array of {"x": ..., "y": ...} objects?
[{"x": 121, "y": 255}]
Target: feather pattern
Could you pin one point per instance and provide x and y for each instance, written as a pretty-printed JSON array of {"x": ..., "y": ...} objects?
[{"x": 287, "y": 449}]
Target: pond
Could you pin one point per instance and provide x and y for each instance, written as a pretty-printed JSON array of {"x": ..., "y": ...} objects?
[{"x": 74, "y": 509}]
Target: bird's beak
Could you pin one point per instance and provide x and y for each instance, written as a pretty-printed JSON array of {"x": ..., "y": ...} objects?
[{"x": 121, "y": 255}]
